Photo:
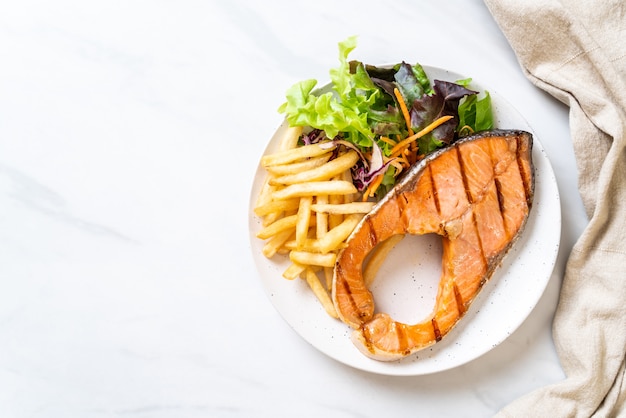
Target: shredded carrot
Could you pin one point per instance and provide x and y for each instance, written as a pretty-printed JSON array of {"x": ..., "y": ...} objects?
[
  {"x": 366, "y": 193},
  {"x": 405, "y": 111},
  {"x": 400, "y": 146},
  {"x": 376, "y": 183},
  {"x": 403, "y": 160},
  {"x": 403, "y": 151},
  {"x": 399, "y": 165},
  {"x": 373, "y": 186},
  {"x": 388, "y": 140}
]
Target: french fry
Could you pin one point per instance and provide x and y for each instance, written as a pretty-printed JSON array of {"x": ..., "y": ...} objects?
[
  {"x": 280, "y": 225},
  {"x": 378, "y": 256},
  {"x": 334, "y": 238},
  {"x": 330, "y": 187},
  {"x": 335, "y": 219},
  {"x": 347, "y": 176},
  {"x": 313, "y": 259},
  {"x": 321, "y": 217},
  {"x": 298, "y": 167},
  {"x": 295, "y": 154},
  {"x": 293, "y": 271},
  {"x": 343, "y": 208},
  {"x": 322, "y": 295},
  {"x": 274, "y": 244},
  {"x": 323, "y": 172},
  {"x": 276, "y": 206},
  {"x": 304, "y": 218},
  {"x": 265, "y": 195},
  {"x": 290, "y": 137},
  {"x": 275, "y": 215},
  {"x": 328, "y": 275},
  {"x": 309, "y": 206},
  {"x": 310, "y": 245}
]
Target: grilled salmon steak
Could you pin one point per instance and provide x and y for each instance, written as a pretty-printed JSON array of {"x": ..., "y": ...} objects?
[{"x": 476, "y": 194}]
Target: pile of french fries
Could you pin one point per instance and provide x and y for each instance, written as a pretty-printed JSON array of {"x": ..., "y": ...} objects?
[{"x": 308, "y": 206}]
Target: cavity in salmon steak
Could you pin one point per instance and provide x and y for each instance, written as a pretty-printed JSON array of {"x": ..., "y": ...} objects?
[{"x": 477, "y": 195}]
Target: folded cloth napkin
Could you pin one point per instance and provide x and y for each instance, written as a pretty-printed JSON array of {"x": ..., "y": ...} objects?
[{"x": 576, "y": 51}]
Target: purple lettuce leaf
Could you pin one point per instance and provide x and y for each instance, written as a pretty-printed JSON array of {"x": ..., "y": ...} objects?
[{"x": 443, "y": 102}]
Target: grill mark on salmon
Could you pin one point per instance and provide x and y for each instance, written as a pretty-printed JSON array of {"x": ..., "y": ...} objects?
[
  {"x": 459, "y": 300},
  {"x": 522, "y": 164},
  {"x": 464, "y": 177},
  {"x": 477, "y": 195},
  {"x": 434, "y": 190},
  {"x": 480, "y": 242},
  {"x": 500, "y": 197},
  {"x": 436, "y": 329},
  {"x": 346, "y": 290}
]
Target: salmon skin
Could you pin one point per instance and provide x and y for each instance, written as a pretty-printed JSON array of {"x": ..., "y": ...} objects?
[{"x": 477, "y": 195}]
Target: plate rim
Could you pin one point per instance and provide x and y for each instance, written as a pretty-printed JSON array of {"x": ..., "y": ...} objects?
[{"x": 397, "y": 368}]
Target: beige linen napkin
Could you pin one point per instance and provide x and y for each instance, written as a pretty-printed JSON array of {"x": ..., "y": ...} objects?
[{"x": 576, "y": 51}]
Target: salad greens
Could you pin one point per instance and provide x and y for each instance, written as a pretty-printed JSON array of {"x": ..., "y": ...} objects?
[{"x": 376, "y": 110}]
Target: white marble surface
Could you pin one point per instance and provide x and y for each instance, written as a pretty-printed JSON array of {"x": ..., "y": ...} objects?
[{"x": 129, "y": 135}]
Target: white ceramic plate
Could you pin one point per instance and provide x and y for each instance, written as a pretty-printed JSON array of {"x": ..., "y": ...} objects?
[{"x": 406, "y": 285}]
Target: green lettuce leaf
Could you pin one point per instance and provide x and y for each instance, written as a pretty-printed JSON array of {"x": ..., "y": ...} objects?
[
  {"x": 360, "y": 106},
  {"x": 475, "y": 114},
  {"x": 345, "y": 110}
]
